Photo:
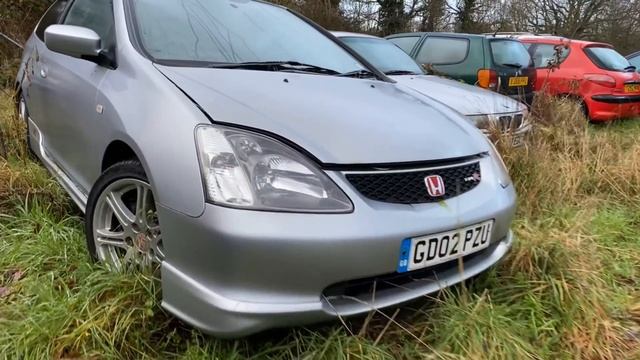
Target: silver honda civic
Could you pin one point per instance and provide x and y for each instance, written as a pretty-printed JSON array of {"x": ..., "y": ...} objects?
[{"x": 275, "y": 176}]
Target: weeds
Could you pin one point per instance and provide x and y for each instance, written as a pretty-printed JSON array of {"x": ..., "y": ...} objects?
[{"x": 568, "y": 289}]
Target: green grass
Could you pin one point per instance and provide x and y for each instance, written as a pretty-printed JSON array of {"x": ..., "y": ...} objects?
[{"x": 568, "y": 290}]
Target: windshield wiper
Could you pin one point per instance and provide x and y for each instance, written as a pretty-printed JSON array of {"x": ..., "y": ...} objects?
[
  {"x": 360, "y": 74},
  {"x": 630, "y": 68},
  {"x": 277, "y": 66},
  {"x": 400, "y": 72},
  {"x": 513, "y": 65}
]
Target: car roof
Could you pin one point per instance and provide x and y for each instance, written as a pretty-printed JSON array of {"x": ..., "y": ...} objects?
[
  {"x": 341, "y": 34},
  {"x": 560, "y": 39},
  {"x": 450, "y": 34},
  {"x": 637, "y": 53}
]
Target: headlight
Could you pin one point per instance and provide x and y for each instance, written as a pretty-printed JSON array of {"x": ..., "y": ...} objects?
[
  {"x": 525, "y": 117},
  {"x": 247, "y": 170},
  {"x": 503, "y": 174},
  {"x": 488, "y": 123},
  {"x": 482, "y": 122}
]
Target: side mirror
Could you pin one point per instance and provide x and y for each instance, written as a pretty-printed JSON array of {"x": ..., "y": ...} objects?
[{"x": 75, "y": 41}]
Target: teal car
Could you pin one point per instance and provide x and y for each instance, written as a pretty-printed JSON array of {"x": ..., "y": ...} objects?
[{"x": 497, "y": 63}]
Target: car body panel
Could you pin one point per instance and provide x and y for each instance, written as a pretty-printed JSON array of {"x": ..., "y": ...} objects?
[
  {"x": 296, "y": 107},
  {"x": 69, "y": 78},
  {"x": 464, "y": 98},
  {"x": 229, "y": 318},
  {"x": 569, "y": 79}
]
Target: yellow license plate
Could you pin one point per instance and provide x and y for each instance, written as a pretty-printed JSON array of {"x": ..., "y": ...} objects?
[
  {"x": 632, "y": 88},
  {"x": 519, "y": 81}
]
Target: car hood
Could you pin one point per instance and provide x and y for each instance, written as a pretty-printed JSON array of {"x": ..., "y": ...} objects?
[
  {"x": 337, "y": 120},
  {"x": 466, "y": 99}
]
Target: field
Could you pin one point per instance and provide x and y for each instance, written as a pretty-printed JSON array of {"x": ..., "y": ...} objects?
[{"x": 568, "y": 290}]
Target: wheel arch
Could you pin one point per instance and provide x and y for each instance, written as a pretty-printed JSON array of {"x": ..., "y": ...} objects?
[
  {"x": 581, "y": 100},
  {"x": 16, "y": 95},
  {"x": 118, "y": 151}
]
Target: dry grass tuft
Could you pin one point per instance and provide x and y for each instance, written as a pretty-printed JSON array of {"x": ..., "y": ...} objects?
[
  {"x": 567, "y": 174},
  {"x": 569, "y": 161},
  {"x": 21, "y": 179},
  {"x": 12, "y": 131}
]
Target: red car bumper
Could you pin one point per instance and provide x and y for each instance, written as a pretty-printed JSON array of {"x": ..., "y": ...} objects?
[{"x": 611, "y": 107}]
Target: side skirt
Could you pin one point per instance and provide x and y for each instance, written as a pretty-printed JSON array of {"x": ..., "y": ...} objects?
[{"x": 76, "y": 193}]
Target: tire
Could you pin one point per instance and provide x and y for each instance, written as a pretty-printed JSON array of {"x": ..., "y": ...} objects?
[
  {"x": 585, "y": 111},
  {"x": 579, "y": 101},
  {"x": 121, "y": 222},
  {"x": 23, "y": 115}
]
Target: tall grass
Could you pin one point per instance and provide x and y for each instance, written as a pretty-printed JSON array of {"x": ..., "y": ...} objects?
[{"x": 568, "y": 289}]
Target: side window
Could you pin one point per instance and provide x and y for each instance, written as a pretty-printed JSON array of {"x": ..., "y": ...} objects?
[
  {"x": 443, "y": 51},
  {"x": 406, "y": 43},
  {"x": 543, "y": 54},
  {"x": 95, "y": 15},
  {"x": 51, "y": 17},
  {"x": 635, "y": 61}
]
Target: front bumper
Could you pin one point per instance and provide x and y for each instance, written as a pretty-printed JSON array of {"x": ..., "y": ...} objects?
[
  {"x": 235, "y": 272},
  {"x": 517, "y": 137},
  {"x": 520, "y": 135}
]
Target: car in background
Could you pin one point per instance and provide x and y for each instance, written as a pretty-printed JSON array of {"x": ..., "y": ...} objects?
[
  {"x": 485, "y": 109},
  {"x": 605, "y": 82},
  {"x": 499, "y": 64},
  {"x": 634, "y": 59},
  {"x": 274, "y": 176}
]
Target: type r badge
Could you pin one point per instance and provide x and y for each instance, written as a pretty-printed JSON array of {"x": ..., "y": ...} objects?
[{"x": 476, "y": 177}]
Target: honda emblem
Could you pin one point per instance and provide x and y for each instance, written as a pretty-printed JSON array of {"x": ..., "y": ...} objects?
[{"x": 435, "y": 185}]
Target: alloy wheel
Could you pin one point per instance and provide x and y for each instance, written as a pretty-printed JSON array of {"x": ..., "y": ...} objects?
[{"x": 126, "y": 230}]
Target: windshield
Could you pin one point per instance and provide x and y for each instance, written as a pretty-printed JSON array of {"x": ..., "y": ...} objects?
[
  {"x": 510, "y": 53},
  {"x": 206, "y": 33},
  {"x": 608, "y": 58},
  {"x": 383, "y": 54}
]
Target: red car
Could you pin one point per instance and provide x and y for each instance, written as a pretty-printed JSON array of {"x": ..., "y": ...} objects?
[{"x": 605, "y": 82}]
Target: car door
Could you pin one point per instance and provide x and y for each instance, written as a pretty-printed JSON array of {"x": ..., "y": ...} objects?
[
  {"x": 33, "y": 78},
  {"x": 70, "y": 88},
  {"x": 451, "y": 56},
  {"x": 557, "y": 80}
]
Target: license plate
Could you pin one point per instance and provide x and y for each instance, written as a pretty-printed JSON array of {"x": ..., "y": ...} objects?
[
  {"x": 517, "y": 140},
  {"x": 632, "y": 88},
  {"x": 425, "y": 251},
  {"x": 519, "y": 81}
]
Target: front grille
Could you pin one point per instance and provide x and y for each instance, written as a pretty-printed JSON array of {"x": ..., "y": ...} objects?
[
  {"x": 359, "y": 287},
  {"x": 409, "y": 187},
  {"x": 510, "y": 122}
]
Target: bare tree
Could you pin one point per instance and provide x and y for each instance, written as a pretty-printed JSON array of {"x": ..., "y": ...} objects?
[{"x": 464, "y": 11}]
